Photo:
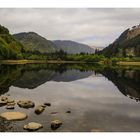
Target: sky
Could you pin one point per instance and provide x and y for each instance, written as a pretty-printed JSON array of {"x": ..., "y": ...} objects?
[{"x": 92, "y": 26}]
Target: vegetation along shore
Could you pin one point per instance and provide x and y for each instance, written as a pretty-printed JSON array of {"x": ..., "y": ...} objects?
[{"x": 30, "y": 47}]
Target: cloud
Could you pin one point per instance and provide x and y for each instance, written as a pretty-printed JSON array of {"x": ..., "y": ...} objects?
[{"x": 93, "y": 26}]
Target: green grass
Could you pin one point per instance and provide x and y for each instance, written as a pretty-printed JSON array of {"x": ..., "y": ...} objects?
[{"x": 128, "y": 63}]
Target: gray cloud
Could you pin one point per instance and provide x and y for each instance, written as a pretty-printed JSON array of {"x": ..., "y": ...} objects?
[{"x": 96, "y": 27}]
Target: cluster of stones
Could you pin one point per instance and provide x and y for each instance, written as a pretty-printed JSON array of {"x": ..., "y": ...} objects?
[
  {"x": 16, "y": 116},
  {"x": 10, "y": 104}
]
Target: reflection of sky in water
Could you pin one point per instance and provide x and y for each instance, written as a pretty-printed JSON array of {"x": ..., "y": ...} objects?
[{"x": 95, "y": 103}]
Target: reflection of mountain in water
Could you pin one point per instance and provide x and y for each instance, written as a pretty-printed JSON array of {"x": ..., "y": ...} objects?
[
  {"x": 33, "y": 75},
  {"x": 33, "y": 79},
  {"x": 127, "y": 81},
  {"x": 8, "y": 74}
]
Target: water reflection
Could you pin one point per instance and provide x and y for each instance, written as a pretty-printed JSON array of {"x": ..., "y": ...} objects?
[
  {"x": 30, "y": 76},
  {"x": 127, "y": 80}
]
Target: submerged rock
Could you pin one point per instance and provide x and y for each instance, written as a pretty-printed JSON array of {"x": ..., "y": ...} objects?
[
  {"x": 47, "y": 104},
  {"x": 54, "y": 112},
  {"x": 68, "y": 111},
  {"x": 55, "y": 124},
  {"x": 10, "y": 116},
  {"x": 26, "y": 104},
  {"x": 39, "y": 109},
  {"x": 32, "y": 126}
]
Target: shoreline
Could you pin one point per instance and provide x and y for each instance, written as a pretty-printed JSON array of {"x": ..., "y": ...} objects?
[
  {"x": 11, "y": 62},
  {"x": 129, "y": 63},
  {"x": 39, "y": 62}
]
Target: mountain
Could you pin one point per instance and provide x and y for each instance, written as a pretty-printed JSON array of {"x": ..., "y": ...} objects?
[
  {"x": 33, "y": 75},
  {"x": 9, "y": 47},
  {"x": 34, "y": 78},
  {"x": 72, "y": 47},
  {"x": 128, "y": 44},
  {"x": 34, "y": 42}
]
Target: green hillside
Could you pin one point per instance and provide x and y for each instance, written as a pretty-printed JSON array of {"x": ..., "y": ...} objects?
[
  {"x": 9, "y": 47},
  {"x": 34, "y": 42},
  {"x": 127, "y": 45}
]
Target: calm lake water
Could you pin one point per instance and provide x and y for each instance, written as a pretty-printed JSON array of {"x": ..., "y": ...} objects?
[{"x": 100, "y": 98}]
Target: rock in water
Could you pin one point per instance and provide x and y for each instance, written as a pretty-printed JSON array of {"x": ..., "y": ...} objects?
[
  {"x": 32, "y": 126},
  {"x": 10, "y": 101},
  {"x": 4, "y": 98},
  {"x": 55, "y": 124},
  {"x": 12, "y": 116},
  {"x": 3, "y": 103},
  {"x": 26, "y": 104},
  {"x": 13, "y": 104},
  {"x": 68, "y": 111},
  {"x": 39, "y": 109},
  {"x": 47, "y": 104},
  {"x": 10, "y": 107},
  {"x": 54, "y": 112}
]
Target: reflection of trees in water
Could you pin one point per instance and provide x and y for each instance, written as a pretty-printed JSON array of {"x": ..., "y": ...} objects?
[
  {"x": 8, "y": 74},
  {"x": 127, "y": 81},
  {"x": 33, "y": 75}
]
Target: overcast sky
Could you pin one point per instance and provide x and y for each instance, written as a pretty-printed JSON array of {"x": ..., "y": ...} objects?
[{"x": 95, "y": 27}]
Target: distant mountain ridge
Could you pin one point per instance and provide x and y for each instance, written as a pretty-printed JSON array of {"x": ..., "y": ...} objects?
[
  {"x": 34, "y": 42},
  {"x": 128, "y": 44},
  {"x": 72, "y": 47}
]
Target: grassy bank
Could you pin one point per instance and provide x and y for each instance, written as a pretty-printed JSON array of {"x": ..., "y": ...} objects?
[
  {"x": 62, "y": 61},
  {"x": 21, "y": 61},
  {"x": 128, "y": 63},
  {"x": 37, "y": 61}
]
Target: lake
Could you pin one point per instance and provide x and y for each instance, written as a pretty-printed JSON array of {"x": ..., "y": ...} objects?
[{"x": 99, "y": 98}]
